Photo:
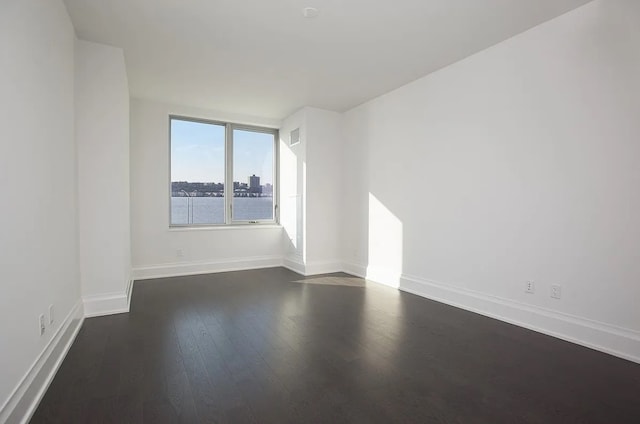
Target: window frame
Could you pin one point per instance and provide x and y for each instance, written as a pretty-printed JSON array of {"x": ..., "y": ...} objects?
[{"x": 229, "y": 127}]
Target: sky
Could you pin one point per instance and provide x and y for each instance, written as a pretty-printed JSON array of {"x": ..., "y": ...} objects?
[{"x": 197, "y": 153}]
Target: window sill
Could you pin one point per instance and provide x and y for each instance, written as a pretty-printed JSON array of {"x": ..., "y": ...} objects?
[{"x": 224, "y": 227}]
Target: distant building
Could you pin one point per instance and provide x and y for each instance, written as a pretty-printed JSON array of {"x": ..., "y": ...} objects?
[
  {"x": 254, "y": 185},
  {"x": 239, "y": 186}
]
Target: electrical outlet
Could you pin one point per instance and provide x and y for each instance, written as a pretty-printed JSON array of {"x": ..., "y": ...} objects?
[
  {"x": 530, "y": 287},
  {"x": 179, "y": 253},
  {"x": 556, "y": 292},
  {"x": 51, "y": 316},
  {"x": 42, "y": 326}
]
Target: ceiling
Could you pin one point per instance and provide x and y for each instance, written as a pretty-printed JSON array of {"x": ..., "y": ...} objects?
[{"x": 263, "y": 58}]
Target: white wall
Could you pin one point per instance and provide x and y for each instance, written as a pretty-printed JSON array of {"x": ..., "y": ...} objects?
[
  {"x": 292, "y": 179},
  {"x": 38, "y": 246},
  {"x": 154, "y": 245},
  {"x": 310, "y": 185},
  {"x": 324, "y": 185},
  {"x": 518, "y": 163},
  {"x": 102, "y": 136}
]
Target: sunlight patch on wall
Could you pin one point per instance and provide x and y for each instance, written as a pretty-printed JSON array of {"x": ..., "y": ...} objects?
[
  {"x": 289, "y": 194},
  {"x": 385, "y": 244}
]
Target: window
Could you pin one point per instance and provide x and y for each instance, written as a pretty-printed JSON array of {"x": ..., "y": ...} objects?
[{"x": 221, "y": 173}]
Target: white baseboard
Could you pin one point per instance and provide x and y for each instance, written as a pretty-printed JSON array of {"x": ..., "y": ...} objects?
[
  {"x": 294, "y": 264},
  {"x": 378, "y": 275},
  {"x": 106, "y": 304},
  {"x": 323, "y": 267},
  {"x": 194, "y": 268},
  {"x": 24, "y": 399},
  {"x": 385, "y": 276},
  {"x": 617, "y": 341},
  {"x": 311, "y": 268},
  {"x": 358, "y": 270}
]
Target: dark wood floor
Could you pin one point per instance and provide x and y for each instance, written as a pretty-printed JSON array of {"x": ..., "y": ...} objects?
[{"x": 269, "y": 346}]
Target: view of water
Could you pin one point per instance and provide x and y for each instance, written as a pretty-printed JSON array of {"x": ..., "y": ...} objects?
[{"x": 210, "y": 210}]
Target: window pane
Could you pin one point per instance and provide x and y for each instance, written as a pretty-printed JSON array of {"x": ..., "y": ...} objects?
[
  {"x": 253, "y": 175},
  {"x": 197, "y": 172}
]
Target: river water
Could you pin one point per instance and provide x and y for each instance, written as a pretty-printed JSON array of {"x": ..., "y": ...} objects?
[{"x": 210, "y": 210}]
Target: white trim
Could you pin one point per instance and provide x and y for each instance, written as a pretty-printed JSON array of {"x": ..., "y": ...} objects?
[
  {"x": 356, "y": 269},
  {"x": 385, "y": 276},
  {"x": 24, "y": 399},
  {"x": 322, "y": 267},
  {"x": 380, "y": 275},
  {"x": 105, "y": 304},
  {"x": 194, "y": 268},
  {"x": 294, "y": 263},
  {"x": 225, "y": 227},
  {"x": 614, "y": 340}
]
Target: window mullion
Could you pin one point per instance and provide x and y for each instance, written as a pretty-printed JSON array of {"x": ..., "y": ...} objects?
[
  {"x": 276, "y": 178},
  {"x": 228, "y": 184}
]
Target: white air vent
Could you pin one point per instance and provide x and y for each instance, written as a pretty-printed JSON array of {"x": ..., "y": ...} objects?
[{"x": 294, "y": 137}]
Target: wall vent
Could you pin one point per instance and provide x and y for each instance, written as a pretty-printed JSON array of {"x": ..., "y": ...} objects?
[{"x": 294, "y": 137}]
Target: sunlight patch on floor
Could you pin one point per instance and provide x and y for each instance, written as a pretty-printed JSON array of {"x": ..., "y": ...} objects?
[{"x": 335, "y": 281}]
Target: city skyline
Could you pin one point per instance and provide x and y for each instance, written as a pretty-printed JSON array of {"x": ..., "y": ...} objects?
[
  {"x": 252, "y": 188},
  {"x": 219, "y": 182}
]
